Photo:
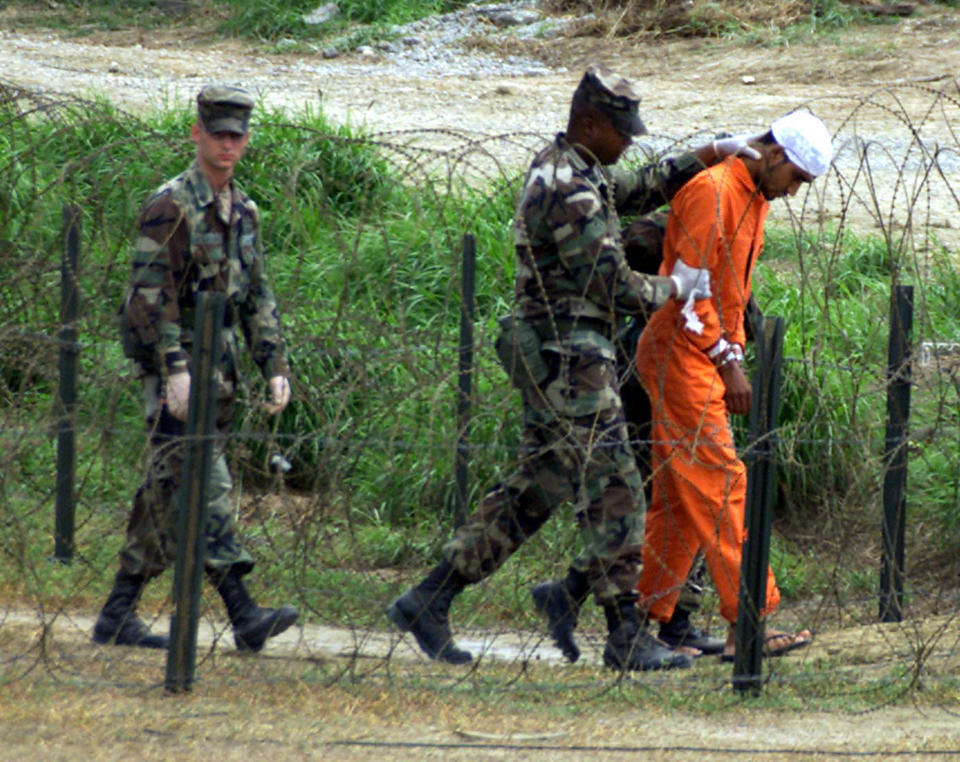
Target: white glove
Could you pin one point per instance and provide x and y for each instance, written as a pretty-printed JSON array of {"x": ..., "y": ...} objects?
[
  {"x": 279, "y": 394},
  {"x": 737, "y": 145},
  {"x": 178, "y": 395},
  {"x": 691, "y": 282}
]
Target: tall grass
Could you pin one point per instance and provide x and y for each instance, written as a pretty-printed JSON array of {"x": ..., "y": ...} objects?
[
  {"x": 835, "y": 292},
  {"x": 272, "y": 19},
  {"x": 262, "y": 20},
  {"x": 363, "y": 240},
  {"x": 365, "y": 265}
]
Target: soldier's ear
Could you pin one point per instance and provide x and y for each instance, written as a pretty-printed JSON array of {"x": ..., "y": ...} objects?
[{"x": 589, "y": 125}]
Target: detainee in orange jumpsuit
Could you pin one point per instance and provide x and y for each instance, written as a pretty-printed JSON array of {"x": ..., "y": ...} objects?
[{"x": 689, "y": 361}]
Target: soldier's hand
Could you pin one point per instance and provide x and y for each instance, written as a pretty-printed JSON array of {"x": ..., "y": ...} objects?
[
  {"x": 279, "y": 394},
  {"x": 690, "y": 281},
  {"x": 178, "y": 395},
  {"x": 737, "y": 145}
]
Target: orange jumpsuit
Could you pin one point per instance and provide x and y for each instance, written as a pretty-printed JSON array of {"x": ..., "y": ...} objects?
[{"x": 699, "y": 484}]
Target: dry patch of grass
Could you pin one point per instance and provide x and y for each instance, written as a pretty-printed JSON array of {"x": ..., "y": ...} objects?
[
  {"x": 694, "y": 18},
  {"x": 65, "y": 698}
]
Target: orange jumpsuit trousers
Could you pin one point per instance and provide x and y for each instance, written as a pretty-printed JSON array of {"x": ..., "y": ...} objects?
[{"x": 699, "y": 483}]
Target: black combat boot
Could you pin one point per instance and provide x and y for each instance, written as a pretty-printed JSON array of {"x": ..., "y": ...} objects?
[
  {"x": 423, "y": 611},
  {"x": 630, "y": 647},
  {"x": 560, "y": 601},
  {"x": 680, "y": 632},
  {"x": 118, "y": 621},
  {"x": 252, "y": 624}
]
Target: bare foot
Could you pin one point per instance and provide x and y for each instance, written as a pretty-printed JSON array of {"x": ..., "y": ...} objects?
[
  {"x": 775, "y": 642},
  {"x": 688, "y": 650}
]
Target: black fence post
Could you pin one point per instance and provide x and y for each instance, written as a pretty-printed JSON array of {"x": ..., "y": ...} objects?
[
  {"x": 67, "y": 391},
  {"x": 192, "y": 497},
  {"x": 465, "y": 375},
  {"x": 761, "y": 489},
  {"x": 895, "y": 455}
]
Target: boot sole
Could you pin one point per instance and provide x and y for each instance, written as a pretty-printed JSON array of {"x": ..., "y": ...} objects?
[
  {"x": 670, "y": 661},
  {"x": 562, "y": 638},
  {"x": 145, "y": 643},
  {"x": 449, "y": 653},
  {"x": 284, "y": 621}
]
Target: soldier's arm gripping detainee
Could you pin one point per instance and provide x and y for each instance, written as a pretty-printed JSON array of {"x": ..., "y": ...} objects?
[
  {"x": 638, "y": 191},
  {"x": 572, "y": 287}
]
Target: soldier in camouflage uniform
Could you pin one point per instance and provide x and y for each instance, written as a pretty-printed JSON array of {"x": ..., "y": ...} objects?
[
  {"x": 560, "y": 600},
  {"x": 573, "y": 288},
  {"x": 198, "y": 232}
]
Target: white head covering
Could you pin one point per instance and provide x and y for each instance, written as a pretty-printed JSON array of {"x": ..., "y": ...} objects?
[{"x": 805, "y": 140}]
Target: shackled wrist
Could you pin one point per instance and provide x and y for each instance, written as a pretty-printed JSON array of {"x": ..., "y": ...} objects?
[{"x": 725, "y": 352}]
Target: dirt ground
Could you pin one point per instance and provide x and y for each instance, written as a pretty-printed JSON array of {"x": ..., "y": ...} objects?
[
  {"x": 693, "y": 87},
  {"x": 691, "y": 84},
  {"x": 103, "y": 703},
  {"x": 888, "y": 86}
]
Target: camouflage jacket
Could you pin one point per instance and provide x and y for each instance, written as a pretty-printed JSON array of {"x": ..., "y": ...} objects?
[
  {"x": 570, "y": 258},
  {"x": 189, "y": 242}
]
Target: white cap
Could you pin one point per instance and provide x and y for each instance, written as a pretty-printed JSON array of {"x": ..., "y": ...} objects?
[{"x": 805, "y": 140}]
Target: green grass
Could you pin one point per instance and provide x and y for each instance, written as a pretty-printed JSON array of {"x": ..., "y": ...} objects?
[
  {"x": 265, "y": 21},
  {"x": 275, "y": 19},
  {"x": 364, "y": 257},
  {"x": 79, "y": 17},
  {"x": 279, "y": 24}
]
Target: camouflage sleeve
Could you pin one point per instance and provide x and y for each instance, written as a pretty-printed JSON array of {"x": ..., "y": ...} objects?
[
  {"x": 160, "y": 257},
  {"x": 593, "y": 256},
  {"x": 641, "y": 190},
  {"x": 259, "y": 317}
]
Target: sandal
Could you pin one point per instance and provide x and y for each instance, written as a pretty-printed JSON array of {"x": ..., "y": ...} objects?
[{"x": 798, "y": 640}]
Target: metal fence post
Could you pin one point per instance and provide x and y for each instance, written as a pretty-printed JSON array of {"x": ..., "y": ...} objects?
[
  {"x": 465, "y": 375},
  {"x": 67, "y": 388},
  {"x": 761, "y": 488},
  {"x": 192, "y": 497},
  {"x": 895, "y": 455}
]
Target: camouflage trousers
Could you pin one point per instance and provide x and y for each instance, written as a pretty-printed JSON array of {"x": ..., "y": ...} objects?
[
  {"x": 151, "y": 543},
  {"x": 575, "y": 448}
]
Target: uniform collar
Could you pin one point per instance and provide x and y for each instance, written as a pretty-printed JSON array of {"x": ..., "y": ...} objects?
[
  {"x": 579, "y": 164},
  {"x": 202, "y": 190},
  {"x": 206, "y": 196}
]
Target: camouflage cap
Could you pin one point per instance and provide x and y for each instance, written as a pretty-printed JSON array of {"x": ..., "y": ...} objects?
[
  {"x": 224, "y": 109},
  {"x": 613, "y": 95}
]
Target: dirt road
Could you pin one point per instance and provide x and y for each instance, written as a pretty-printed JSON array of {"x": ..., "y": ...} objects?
[
  {"x": 881, "y": 86},
  {"x": 692, "y": 85}
]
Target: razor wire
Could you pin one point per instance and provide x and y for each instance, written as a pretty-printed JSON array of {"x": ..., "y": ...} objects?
[{"x": 362, "y": 237}]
